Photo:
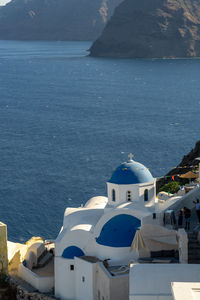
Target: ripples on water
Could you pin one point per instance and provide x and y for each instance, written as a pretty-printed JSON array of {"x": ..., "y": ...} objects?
[{"x": 67, "y": 120}]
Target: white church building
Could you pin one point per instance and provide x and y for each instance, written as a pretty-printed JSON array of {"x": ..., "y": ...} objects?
[
  {"x": 108, "y": 248},
  {"x": 104, "y": 229}
]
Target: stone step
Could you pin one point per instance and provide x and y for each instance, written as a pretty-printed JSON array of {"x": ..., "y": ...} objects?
[
  {"x": 194, "y": 246},
  {"x": 192, "y": 241},
  {"x": 44, "y": 261},
  {"x": 42, "y": 255},
  {"x": 193, "y": 261},
  {"x": 194, "y": 255},
  {"x": 194, "y": 250},
  {"x": 192, "y": 236}
]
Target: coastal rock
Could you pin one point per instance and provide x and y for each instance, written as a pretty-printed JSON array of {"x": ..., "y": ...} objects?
[
  {"x": 55, "y": 19},
  {"x": 151, "y": 29}
]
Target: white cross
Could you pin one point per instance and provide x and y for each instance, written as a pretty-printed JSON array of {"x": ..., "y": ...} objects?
[{"x": 130, "y": 156}]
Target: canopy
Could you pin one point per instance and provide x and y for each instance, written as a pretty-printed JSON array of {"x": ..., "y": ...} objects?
[
  {"x": 189, "y": 175},
  {"x": 138, "y": 242}
]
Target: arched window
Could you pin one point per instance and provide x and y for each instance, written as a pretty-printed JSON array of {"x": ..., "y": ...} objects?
[
  {"x": 128, "y": 196},
  {"x": 146, "y": 196},
  {"x": 113, "y": 195}
]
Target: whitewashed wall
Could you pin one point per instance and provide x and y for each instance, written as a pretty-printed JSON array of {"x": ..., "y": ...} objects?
[
  {"x": 42, "y": 284},
  {"x": 151, "y": 192},
  {"x": 64, "y": 278},
  {"x": 85, "y": 279},
  {"x": 153, "y": 281},
  {"x": 111, "y": 287},
  {"x": 121, "y": 191},
  {"x": 137, "y": 192}
]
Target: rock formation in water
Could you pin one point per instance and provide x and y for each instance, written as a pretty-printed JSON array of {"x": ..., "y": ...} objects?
[
  {"x": 55, "y": 19},
  {"x": 151, "y": 29}
]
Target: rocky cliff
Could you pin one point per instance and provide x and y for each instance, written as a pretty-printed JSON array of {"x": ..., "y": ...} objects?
[
  {"x": 187, "y": 164},
  {"x": 55, "y": 19},
  {"x": 151, "y": 29}
]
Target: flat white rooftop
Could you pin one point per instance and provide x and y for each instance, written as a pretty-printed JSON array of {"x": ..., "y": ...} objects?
[{"x": 186, "y": 290}]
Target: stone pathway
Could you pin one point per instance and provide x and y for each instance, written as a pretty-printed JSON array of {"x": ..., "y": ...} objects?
[{"x": 193, "y": 248}]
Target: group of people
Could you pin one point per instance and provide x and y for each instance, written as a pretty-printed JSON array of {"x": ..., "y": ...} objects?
[{"x": 185, "y": 213}]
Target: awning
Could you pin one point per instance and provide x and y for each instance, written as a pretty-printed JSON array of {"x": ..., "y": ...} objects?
[
  {"x": 138, "y": 242},
  {"x": 189, "y": 175}
]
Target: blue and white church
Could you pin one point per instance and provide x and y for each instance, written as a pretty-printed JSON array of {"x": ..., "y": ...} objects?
[{"x": 105, "y": 227}]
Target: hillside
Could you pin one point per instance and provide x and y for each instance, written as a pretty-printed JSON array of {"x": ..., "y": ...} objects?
[
  {"x": 55, "y": 19},
  {"x": 151, "y": 29},
  {"x": 187, "y": 164}
]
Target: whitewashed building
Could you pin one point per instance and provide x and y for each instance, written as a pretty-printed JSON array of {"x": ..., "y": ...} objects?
[{"x": 104, "y": 228}]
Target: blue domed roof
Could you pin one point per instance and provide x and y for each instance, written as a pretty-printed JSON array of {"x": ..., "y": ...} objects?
[
  {"x": 71, "y": 252},
  {"x": 119, "y": 231},
  {"x": 131, "y": 172}
]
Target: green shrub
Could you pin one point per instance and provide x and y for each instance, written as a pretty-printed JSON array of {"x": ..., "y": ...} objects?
[{"x": 171, "y": 187}]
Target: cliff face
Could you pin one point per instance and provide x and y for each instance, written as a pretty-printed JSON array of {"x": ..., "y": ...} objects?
[
  {"x": 185, "y": 166},
  {"x": 151, "y": 29},
  {"x": 55, "y": 19}
]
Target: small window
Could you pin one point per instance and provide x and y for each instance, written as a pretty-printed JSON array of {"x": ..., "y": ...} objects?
[
  {"x": 71, "y": 267},
  {"x": 146, "y": 196},
  {"x": 83, "y": 279},
  {"x": 113, "y": 195},
  {"x": 128, "y": 196}
]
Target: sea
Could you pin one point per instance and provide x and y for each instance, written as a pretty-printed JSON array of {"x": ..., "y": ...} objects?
[{"x": 68, "y": 120}]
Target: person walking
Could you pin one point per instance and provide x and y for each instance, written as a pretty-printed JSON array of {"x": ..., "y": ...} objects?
[
  {"x": 197, "y": 206},
  {"x": 187, "y": 215}
]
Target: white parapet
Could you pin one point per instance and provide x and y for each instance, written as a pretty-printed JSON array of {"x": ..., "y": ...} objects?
[
  {"x": 44, "y": 284},
  {"x": 3, "y": 249}
]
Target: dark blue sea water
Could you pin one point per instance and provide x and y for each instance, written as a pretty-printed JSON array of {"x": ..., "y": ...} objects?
[{"x": 67, "y": 120}]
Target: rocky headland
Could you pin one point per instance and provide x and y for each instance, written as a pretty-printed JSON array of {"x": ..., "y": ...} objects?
[
  {"x": 55, "y": 19},
  {"x": 151, "y": 29}
]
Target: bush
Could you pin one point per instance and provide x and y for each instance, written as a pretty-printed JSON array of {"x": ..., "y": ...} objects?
[{"x": 171, "y": 187}]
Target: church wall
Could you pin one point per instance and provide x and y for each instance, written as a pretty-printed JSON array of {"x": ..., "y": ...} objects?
[
  {"x": 116, "y": 255},
  {"x": 110, "y": 187},
  {"x": 64, "y": 278},
  {"x": 85, "y": 279},
  {"x": 119, "y": 288},
  {"x": 137, "y": 192},
  {"x": 121, "y": 193},
  {"x": 151, "y": 192},
  {"x": 150, "y": 220},
  {"x": 133, "y": 188},
  {"x": 79, "y": 238},
  {"x": 110, "y": 287},
  {"x": 102, "y": 288}
]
